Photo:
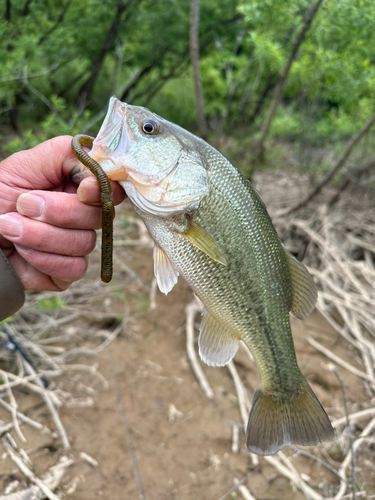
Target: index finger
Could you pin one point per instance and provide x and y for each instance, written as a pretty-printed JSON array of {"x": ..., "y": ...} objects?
[{"x": 59, "y": 209}]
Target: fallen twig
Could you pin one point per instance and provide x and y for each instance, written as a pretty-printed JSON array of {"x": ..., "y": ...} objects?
[
  {"x": 27, "y": 471},
  {"x": 342, "y": 471},
  {"x": 338, "y": 360},
  {"x": 349, "y": 427},
  {"x": 51, "y": 407},
  {"x": 22, "y": 417},
  {"x": 191, "y": 311},
  {"x": 238, "y": 483}
]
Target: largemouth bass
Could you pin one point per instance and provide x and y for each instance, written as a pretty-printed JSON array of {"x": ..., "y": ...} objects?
[{"x": 211, "y": 227}]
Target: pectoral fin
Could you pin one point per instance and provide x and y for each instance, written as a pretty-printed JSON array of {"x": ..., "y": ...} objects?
[
  {"x": 202, "y": 240},
  {"x": 216, "y": 346},
  {"x": 166, "y": 274},
  {"x": 305, "y": 293}
]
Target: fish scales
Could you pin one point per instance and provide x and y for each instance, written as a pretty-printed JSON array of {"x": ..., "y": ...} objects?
[
  {"x": 211, "y": 227},
  {"x": 256, "y": 272}
]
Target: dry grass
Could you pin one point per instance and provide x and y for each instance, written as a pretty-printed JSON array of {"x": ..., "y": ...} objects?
[{"x": 338, "y": 246}]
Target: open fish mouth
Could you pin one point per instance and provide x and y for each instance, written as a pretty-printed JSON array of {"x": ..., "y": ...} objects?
[{"x": 110, "y": 144}]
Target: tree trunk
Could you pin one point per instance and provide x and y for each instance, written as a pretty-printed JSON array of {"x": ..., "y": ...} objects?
[
  {"x": 13, "y": 112},
  {"x": 26, "y": 8},
  {"x": 339, "y": 164},
  {"x": 259, "y": 105},
  {"x": 194, "y": 58},
  {"x": 7, "y": 10},
  {"x": 85, "y": 92},
  {"x": 310, "y": 14}
]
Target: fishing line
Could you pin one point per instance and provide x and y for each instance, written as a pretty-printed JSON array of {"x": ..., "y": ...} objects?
[
  {"x": 14, "y": 345},
  {"x": 126, "y": 425}
]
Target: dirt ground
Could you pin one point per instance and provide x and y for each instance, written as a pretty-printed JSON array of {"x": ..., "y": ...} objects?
[{"x": 182, "y": 441}]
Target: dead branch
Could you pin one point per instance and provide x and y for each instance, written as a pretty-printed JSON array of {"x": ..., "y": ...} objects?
[
  {"x": 22, "y": 417},
  {"x": 51, "y": 407},
  {"x": 191, "y": 310},
  {"x": 27, "y": 471},
  {"x": 338, "y": 165},
  {"x": 342, "y": 471},
  {"x": 238, "y": 483},
  {"x": 338, "y": 360},
  {"x": 309, "y": 16},
  {"x": 349, "y": 428}
]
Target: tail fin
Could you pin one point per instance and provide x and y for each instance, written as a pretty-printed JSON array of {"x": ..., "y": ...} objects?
[{"x": 275, "y": 422}]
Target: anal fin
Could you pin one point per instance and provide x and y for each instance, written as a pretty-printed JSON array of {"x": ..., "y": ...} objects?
[
  {"x": 205, "y": 242},
  {"x": 165, "y": 273},
  {"x": 216, "y": 346}
]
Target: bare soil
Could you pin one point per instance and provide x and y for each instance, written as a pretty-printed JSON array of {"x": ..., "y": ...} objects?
[{"x": 182, "y": 441}]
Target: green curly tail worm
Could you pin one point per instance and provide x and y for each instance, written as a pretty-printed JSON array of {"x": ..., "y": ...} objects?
[{"x": 107, "y": 202}]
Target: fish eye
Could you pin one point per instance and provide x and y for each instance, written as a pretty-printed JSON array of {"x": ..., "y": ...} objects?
[{"x": 150, "y": 127}]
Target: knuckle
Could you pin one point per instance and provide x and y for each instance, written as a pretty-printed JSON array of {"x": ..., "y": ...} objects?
[{"x": 88, "y": 241}]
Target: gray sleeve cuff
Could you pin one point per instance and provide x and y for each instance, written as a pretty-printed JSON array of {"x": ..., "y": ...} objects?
[{"x": 12, "y": 294}]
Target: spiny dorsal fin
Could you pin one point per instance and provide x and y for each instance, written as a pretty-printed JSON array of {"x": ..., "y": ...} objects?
[
  {"x": 205, "y": 242},
  {"x": 166, "y": 274},
  {"x": 305, "y": 293},
  {"x": 216, "y": 346},
  {"x": 276, "y": 422}
]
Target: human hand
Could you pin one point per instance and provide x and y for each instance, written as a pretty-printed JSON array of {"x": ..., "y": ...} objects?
[{"x": 46, "y": 232}]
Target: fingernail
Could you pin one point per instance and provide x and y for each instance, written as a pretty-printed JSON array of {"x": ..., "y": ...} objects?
[
  {"x": 10, "y": 226},
  {"x": 81, "y": 197},
  {"x": 30, "y": 205},
  {"x": 83, "y": 192}
]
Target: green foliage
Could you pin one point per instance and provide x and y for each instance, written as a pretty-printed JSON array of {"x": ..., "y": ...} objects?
[
  {"x": 286, "y": 123},
  {"x": 49, "y": 52},
  {"x": 51, "y": 304},
  {"x": 176, "y": 101}
]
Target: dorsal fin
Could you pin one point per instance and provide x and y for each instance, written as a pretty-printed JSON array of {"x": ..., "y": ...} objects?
[
  {"x": 216, "y": 346},
  {"x": 305, "y": 293}
]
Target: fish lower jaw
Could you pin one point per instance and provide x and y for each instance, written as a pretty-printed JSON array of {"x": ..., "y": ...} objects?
[{"x": 118, "y": 175}]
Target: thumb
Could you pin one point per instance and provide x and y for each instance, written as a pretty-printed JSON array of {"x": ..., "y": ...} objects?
[{"x": 43, "y": 167}]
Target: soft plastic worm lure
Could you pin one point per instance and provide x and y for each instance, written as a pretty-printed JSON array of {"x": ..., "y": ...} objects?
[{"x": 107, "y": 202}]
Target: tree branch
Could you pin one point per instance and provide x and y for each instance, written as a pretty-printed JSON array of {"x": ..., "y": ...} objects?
[
  {"x": 59, "y": 21},
  {"x": 122, "y": 96},
  {"x": 194, "y": 58},
  {"x": 175, "y": 71},
  {"x": 85, "y": 92},
  {"x": 339, "y": 164},
  {"x": 310, "y": 14}
]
